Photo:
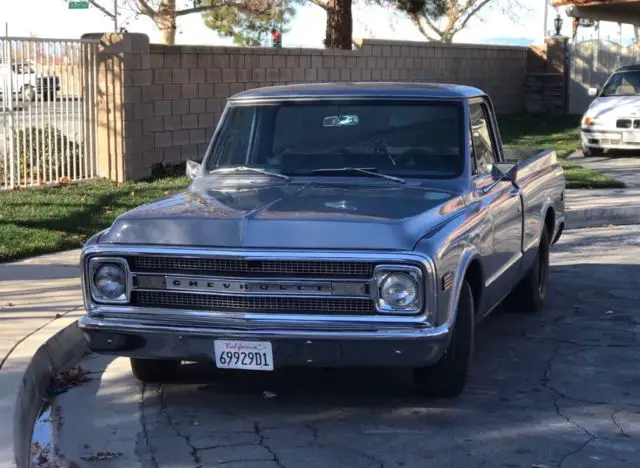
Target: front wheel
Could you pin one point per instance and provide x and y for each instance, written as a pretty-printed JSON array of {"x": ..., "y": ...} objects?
[
  {"x": 531, "y": 294},
  {"x": 28, "y": 94},
  {"x": 154, "y": 370},
  {"x": 448, "y": 377}
]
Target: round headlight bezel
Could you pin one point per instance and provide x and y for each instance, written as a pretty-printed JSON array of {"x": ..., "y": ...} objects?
[
  {"x": 386, "y": 274},
  {"x": 399, "y": 281},
  {"x": 121, "y": 269}
]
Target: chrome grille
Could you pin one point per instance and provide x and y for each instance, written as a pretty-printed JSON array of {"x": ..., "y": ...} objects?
[
  {"x": 329, "y": 306},
  {"x": 249, "y": 268}
]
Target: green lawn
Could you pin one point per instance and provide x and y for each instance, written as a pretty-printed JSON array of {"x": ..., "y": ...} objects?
[
  {"x": 43, "y": 220},
  {"x": 561, "y": 133}
]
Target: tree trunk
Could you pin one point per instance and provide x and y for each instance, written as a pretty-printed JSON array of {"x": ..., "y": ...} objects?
[
  {"x": 166, "y": 21},
  {"x": 339, "y": 25}
]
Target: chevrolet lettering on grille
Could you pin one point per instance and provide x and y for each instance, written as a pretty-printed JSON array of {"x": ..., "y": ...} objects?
[{"x": 279, "y": 288}]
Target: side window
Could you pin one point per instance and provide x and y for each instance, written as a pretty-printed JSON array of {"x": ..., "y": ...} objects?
[
  {"x": 232, "y": 146},
  {"x": 484, "y": 149}
]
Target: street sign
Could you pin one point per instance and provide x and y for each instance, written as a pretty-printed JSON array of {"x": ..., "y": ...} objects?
[{"x": 78, "y": 5}]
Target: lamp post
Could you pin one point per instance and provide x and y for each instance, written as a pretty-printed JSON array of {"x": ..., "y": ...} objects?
[{"x": 557, "y": 23}]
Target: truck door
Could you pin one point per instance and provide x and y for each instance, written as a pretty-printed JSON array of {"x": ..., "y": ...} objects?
[{"x": 502, "y": 206}]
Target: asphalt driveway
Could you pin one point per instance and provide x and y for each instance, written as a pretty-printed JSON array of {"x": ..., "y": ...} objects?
[{"x": 561, "y": 388}]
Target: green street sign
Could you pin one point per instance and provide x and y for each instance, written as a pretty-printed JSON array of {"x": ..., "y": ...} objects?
[{"x": 78, "y": 5}]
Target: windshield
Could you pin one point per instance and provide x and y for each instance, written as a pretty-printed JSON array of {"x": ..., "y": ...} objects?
[
  {"x": 622, "y": 84},
  {"x": 405, "y": 139},
  {"x": 22, "y": 69}
]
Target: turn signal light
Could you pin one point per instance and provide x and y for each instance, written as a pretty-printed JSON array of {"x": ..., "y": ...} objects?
[{"x": 587, "y": 121}]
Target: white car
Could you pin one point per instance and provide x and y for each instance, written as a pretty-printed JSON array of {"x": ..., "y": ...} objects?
[{"x": 612, "y": 121}]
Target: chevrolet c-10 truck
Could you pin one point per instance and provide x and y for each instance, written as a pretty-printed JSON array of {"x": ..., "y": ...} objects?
[{"x": 331, "y": 225}]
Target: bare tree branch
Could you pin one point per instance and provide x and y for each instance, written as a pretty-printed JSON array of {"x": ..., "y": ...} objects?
[
  {"x": 422, "y": 30},
  {"x": 432, "y": 25},
  {"x": 142, "y": 7},
  {"x": 324, "y": 4},
  {"x": 470, "y": 14},
  {"x": 108, "y": 13}
]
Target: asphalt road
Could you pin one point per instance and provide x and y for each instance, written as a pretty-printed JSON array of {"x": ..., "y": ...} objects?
[
  {"x": 44, "y": 108},
  {"x": 65, "y": 116},
  {"x": 560, "y": 388}
]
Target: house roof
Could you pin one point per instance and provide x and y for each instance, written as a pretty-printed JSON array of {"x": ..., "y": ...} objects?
[
  {"x": 592, "y": 2},
  {"x": 619, "y": 11}
]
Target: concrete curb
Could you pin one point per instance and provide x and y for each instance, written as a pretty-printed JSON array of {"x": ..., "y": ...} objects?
[
  {"x": 600, "y": 217},
  {"x": 58, "y": 346}
]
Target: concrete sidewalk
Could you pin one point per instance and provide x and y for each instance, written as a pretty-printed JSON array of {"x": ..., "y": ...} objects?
[
  {"x": 39, "y": 301},
  {"x": 594, "y": 208},
  {"x": 34, "y": 292},
  {"x": 622, "y": 167}
]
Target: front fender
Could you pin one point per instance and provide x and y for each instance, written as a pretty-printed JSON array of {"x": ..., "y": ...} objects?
[{"x": 468, "y": 256}]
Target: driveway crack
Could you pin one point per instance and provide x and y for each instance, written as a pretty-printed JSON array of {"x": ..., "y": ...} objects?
[
  {"x": 145, "y": 431},
  {"x": 163, "y": 410},
  {"x": 261, "y": 442},
  {"x": 546, "y": 382}
]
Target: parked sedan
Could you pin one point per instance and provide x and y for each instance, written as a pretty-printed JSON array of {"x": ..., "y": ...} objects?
[{"x": 612, "y": 121}]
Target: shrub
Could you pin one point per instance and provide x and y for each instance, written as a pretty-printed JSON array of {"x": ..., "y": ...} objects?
[{"x": 45, "y": 154}]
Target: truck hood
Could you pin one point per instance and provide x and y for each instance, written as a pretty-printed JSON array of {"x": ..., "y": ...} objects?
[
  {"x": 288, "y": 216},
  {"x": 608, "y": 109}
]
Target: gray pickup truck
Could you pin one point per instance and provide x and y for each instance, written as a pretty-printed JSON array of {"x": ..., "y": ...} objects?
[{"x": 331, "y": 225}]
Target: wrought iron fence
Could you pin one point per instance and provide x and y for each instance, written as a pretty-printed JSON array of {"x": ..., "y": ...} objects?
[{"x": 47, "y": 111}]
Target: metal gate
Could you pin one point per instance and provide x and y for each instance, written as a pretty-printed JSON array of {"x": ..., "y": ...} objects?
[
  {"x": 592, "y": 61},
  {"x": 47, "y": 111}
]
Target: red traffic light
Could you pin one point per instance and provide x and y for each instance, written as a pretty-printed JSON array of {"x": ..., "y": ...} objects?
[{"x": 275, "y": 34}]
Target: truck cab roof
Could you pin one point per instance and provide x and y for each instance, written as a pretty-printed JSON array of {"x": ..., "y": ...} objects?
[{"x": 342, "y": 90}]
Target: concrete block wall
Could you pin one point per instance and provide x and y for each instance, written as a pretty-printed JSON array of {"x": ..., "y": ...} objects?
[{"x": 173, "y": 96}]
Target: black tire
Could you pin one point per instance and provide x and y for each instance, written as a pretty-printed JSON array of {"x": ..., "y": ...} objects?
[
  {"x": 448, "y": 377},
  {"x": 28, "y": 94},
  {"x": 531, "y": 294},
  {"x": 592, "y": 152},
  {"x": 154, "y": 370}
]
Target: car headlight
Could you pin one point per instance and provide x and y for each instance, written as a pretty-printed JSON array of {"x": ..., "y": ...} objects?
[
  {"x": 399, "y": 290},
  {"x": 109, "y": 280},
  {"x": 589, "y": 122}
]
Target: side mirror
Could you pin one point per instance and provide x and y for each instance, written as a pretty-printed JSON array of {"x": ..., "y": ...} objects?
[
  {"x": 193, "y": 169},
  {"x": 504, "y": 171},
  {"x": 594, "y": 91}
]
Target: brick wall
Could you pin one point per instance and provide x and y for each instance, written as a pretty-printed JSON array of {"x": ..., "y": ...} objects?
[{"x": 173, "y": 96}]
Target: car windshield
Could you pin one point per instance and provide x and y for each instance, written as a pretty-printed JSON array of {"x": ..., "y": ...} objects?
[
  {"x": 344, "y": 138},
  {"x": 22, "y": 69},
  {"x": 626, "y": 83}
]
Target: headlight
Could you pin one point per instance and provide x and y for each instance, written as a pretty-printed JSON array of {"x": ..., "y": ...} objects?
[
  {"x": 399, "y": 290},
  {"x": 109, "y": 280}
]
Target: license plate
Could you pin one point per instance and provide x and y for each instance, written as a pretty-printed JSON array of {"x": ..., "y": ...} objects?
[
  {"x": 246, "y": 355},
  {"x": 629, "y": 137}
]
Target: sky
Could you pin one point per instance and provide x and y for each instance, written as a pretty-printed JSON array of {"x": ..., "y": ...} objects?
[{"x": 53, "y": 19}]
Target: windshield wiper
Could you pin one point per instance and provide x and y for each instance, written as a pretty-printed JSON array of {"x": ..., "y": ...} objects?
[
  {"x": 361, "y": 171},
  {"x": 257, "y": 170}
]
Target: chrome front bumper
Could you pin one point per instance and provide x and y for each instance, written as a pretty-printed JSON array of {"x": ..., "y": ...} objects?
[{"x": 411, "y": 346}]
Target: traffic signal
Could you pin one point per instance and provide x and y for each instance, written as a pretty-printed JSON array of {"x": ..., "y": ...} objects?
[{"x": 276, "y": 38}]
